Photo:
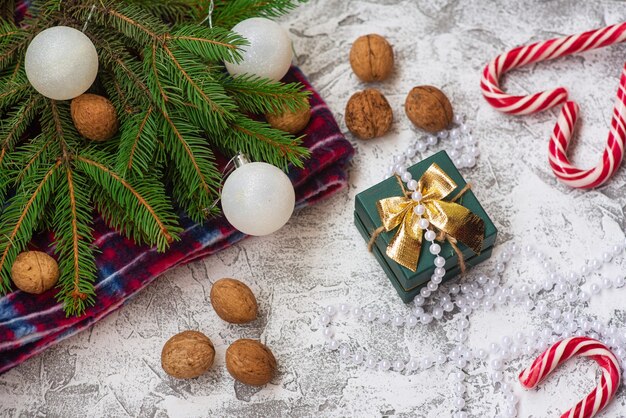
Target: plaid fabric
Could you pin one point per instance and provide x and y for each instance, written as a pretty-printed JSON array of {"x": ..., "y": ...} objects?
[
  {"x": 20, "y": 10},
  {"x": 29, "y": 323}
]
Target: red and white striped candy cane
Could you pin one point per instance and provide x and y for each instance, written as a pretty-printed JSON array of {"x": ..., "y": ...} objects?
[
  {"x": 562, "y": 134},
  {"x": 563, "y": 351}
]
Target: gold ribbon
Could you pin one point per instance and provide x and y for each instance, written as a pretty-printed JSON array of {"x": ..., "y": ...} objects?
[{"x": 451, "y": 220}]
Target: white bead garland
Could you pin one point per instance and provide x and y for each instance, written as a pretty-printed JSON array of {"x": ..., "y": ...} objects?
[
  {"x": 463, "y": 153},
  {"x": 486, "y": 292}
]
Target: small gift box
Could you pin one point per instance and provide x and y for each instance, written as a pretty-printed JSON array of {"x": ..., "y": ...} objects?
[{"x": 387, "y": 218}]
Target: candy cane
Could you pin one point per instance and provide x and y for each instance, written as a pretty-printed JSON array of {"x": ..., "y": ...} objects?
[
  {"x": 563, "y": 351},
  {"x": 564, "y": 170}
]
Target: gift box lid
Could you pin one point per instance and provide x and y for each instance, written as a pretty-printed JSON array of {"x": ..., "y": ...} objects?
[{"x": 367, "y": 212}]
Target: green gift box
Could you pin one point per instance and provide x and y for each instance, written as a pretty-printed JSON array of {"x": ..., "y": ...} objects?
[{"x": 407, "y": 282}]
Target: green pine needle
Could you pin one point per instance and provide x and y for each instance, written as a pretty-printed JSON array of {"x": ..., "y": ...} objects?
[
  {"x": 152, "y": 210},
  {"x": 20, "y": 218},
  {"x": 138, "y": 143},
  {"x": 209, "y": 44},
  {"x": 230, "y": 12},
  {"x": 72, "y": 221},
  {"x": 259, "y": 95}
]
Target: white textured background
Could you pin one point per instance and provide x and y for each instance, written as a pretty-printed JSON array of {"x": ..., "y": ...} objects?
[{"x": 319, "y": 258}]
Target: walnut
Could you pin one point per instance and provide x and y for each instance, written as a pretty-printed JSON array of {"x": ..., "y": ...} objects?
[
  {"x": 187, "y": 355},
  {"x": 94, "y": 117},
  {"x": 233, "y": 301},
  {"x": 371, "y": 58},
  {"x": 428, "y": 108},
  {"x": 34, "y": 272},
  {"x": 250, "y": 362},
  {"x": 368, "y": 114},
  {"x": 289, "y": 121}
]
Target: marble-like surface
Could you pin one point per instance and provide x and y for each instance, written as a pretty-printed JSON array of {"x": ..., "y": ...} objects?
[{"x": 319, "y": 258}]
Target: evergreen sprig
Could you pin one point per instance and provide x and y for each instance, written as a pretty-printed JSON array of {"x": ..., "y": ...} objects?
[
  {"x": 230, "y": 12},
  {"x": 7, "y": 9},
  {"x": 163, "y": 70}
]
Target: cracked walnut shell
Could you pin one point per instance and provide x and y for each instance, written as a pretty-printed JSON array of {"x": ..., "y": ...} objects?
[
  {"x": 233, "y": 301},
  {"x": 250, "y": 362},
  {"x": 187, "y": 355},
  {"x": 371, "y": 58},
  {"x": 34, "y": 272},
  {"x": 368, "y": 114}
]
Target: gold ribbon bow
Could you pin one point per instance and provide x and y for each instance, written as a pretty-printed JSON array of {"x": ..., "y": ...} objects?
[{"x": 451, "y": 220}]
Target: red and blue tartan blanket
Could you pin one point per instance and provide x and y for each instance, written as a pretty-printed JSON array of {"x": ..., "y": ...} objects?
[{"x": 31, "y": 323}]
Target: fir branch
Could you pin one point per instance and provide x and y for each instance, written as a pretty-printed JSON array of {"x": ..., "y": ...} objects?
[
  {"x": 19, "y": 219},
  {"x": 57, "y": 122},
  {"x": 210, "y": 44},
  {"x": 263, "y": 143},
  {"x": 145, "y": 199},
  {"x": 117, "y": 95},
  {"x": 13, "y": 42},
  {"x": 230, "y": 12},
  {"x": 72, "y": 225},
  {"x": 197, "y": 177},
  {"x": 174, "y": 10},
  {"x": 17, "y": 121},
  {"x": 258, "y": 95},
  {"x": 137, "y": 143},
  {"x": 14, "y": 88},
  {"x": 11, "y": 131},
  {"x": 129, "y": 19},
  {"x": 7, "y": 10},
  {"x": 11, "y": 94},
  {"x": 178, "y": 71},
  {"x": 154, "y": 82},
  {"x": 8, "y": 31},
  {"x": 5, "y": 179},
  {"x": 116, "y": 217},
  {"x": 125, "y": 69},
  {"x": 42, "y": 150}
]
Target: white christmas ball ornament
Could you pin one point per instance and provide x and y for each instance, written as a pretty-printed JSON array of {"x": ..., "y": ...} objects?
[
  {"x": 269, "y": 52},
  {"x": 258, "y": 198},
  {"x": 61, "y": 63}
]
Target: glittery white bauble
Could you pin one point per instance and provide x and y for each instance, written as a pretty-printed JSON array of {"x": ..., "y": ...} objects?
[
  {"x": 269, "y": 53},
  {"x": 61, "y": 63},
  {"x": 258, "y": 198}
]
